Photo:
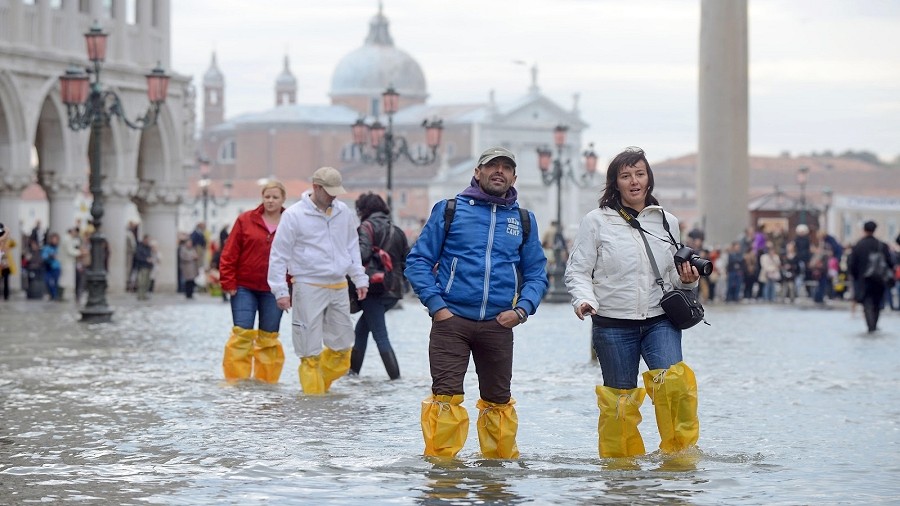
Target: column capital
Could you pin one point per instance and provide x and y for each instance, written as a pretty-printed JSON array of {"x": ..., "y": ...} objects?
[
  {"x": 14, "y": 184},
  {"x": 165, "y": 194},
  {"x": 62, "y": 186}
]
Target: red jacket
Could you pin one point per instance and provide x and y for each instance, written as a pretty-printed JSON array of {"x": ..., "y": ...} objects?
[{"x": 245, "y": 258}]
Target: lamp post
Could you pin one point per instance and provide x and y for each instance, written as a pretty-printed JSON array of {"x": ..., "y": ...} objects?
[
  {"x": 388, "y": 147},
  {"x": 89, "y": 105},
  {"x": 827, "y": 196},
  {"x": 562, "y": 170},
  {"x": 802, "y": 175},
  {"x": 206, "y": 195}
]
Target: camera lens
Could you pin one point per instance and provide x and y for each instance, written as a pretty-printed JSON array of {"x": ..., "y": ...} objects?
[{"x": 704, "y": 266}]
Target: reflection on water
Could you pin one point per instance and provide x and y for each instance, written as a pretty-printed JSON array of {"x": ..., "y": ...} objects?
[{"x": 136, "y": 412}]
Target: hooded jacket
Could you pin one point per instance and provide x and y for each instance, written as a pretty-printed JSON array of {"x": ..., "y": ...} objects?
[
  {"x": 313, "y": 247},
  {"x": 479, "y": 260},
  {"x": 609, "y": 267},
  {"x": 245, "y": 257}
]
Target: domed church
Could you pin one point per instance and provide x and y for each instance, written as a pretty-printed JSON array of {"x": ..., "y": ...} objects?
[{"x": 291, "y": 140}]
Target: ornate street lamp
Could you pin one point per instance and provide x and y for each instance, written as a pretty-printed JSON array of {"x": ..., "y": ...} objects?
[
  {"x": 388, "y": 147},
  {"x": 206, "y": 195},
  {"x": 827, "y": 196},
  {"x": 89, "y": 105},
  {"x": 562, "y": 170},
  {"x": 802, "y": 175}
]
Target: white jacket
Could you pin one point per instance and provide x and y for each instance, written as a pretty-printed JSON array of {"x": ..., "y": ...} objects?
[
  {"x": 609, "y": 267},
  {"x": 313, "y": 247}
]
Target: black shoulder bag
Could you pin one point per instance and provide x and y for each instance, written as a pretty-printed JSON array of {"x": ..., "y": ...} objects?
[{"x": 682, "y": 306}]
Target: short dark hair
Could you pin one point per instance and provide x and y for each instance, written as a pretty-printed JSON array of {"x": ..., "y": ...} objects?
[
  {"x": 869, "y": 226},
  {"x": 369, "y": 203},
  {"x": 628, "y": 158}
]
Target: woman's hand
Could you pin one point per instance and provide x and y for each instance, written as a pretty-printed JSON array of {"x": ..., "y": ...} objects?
[
  {"x": 584, "y": 309},
  {"x": 687, "y": 272}
]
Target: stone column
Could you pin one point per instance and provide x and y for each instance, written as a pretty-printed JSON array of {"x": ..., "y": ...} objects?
[
  {"x": 723, "y": 160},
  {"x": 11, "y": 188},
  {"x": 61, "y": 194},
  {"x": 115, "y": 224},
  {"x": 158, "y": 207}
]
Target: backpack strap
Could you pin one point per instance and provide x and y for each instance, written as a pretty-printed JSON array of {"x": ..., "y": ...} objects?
[{"x": 450, "y": 211}]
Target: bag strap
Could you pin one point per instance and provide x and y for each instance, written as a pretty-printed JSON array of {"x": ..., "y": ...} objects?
[
  {"x": 631, "y": 220},
  {"x": 659, "y": 280}
]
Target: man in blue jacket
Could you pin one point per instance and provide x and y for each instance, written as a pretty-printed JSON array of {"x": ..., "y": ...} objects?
[{"x": 479, "y": 277}]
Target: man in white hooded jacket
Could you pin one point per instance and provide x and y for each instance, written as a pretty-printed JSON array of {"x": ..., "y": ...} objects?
[{"x": 316, "y": 246}]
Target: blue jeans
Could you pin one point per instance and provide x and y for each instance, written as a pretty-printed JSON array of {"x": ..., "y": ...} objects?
[
  {"x": 247, "y": 303},
  {"x": 373, "y": 309},
  {"x": 735, "y": 281},
  {"x": 619, "y": 351},
  {"x": 51, "y": 279}
]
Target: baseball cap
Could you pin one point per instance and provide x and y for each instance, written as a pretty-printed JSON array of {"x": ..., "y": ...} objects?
[
  {"x": 330, "y": 179},
  {"x": 496, "y": 152}
]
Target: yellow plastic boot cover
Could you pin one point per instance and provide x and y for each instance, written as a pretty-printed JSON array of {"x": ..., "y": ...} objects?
[
  {"x": 620, "y": 416},
  {"x": 445, "y": 425},
  {"x": 334, "y": 364},
  {"x": 674, "y": 395},
  {"x": 268, "y": 357},
  {"x": 311, "y": 376},
  {"x": 497, "y": 427},
  {"x": 238, "y": 360}
]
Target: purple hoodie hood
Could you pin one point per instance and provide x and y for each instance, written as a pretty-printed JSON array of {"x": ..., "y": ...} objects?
[{"x": 474, "y": 191}]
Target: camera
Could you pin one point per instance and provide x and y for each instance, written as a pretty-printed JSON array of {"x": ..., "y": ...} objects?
[{"x": 686, "y": 254}]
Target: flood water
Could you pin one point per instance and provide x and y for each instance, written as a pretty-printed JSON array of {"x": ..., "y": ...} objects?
[{"x": 797, "y": 406}]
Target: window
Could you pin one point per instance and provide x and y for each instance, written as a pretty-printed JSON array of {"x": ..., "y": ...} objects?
[
  {"x": 227, "y": 151},
  {"x": 131, "y": 12}
]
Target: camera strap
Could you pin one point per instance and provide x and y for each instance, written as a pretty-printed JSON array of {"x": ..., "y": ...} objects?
[{"x": 631, "y": 220}]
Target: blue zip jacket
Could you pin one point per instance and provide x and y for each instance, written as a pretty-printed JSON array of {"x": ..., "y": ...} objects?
[{"x": 477, "y": 275}]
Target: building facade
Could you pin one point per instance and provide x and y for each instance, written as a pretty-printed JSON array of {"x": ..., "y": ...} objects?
[
  {"x": 44, "y": 165},
  {"x": 292, "y": 139}
]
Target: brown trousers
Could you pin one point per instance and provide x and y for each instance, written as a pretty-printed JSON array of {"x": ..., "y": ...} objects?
[{"x": 491, "y": 346}]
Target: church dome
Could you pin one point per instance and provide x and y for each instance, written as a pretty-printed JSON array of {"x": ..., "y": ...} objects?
[{"x": 371, "y": 69}]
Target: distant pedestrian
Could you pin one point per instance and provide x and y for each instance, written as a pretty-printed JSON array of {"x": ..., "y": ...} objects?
[
  {"x": 188, "y": 265},
  {"x": 868, "y": 260},
  {"x": 769, "y": 271},
  {"x": 143, "y": 263},
  {"x": 7, "y": 261},
  {"x": 49, "y": 254}
]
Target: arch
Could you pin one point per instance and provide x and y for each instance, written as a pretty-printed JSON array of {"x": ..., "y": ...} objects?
[{"x": 12, "y": 128}]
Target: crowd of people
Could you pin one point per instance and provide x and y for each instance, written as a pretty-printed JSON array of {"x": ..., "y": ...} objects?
[
  {"x": 768, "y": 265},
  {"x": 479, "y": 267}
]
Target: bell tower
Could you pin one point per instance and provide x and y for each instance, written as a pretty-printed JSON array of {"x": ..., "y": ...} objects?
[{"x": 213, "y": 95}]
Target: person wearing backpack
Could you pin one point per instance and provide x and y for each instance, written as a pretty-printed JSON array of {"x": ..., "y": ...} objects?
[
  {"x": 377, "y": 231},
  {"x": 870, "y": 264},
  {"x": 465, "y": 268}
]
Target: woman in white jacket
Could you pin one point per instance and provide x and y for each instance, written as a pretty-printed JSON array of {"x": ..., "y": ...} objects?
[{"x": 610, "y": 278}]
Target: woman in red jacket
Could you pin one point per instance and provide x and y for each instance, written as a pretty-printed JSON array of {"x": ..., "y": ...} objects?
[{"x": 243, "y": 269}]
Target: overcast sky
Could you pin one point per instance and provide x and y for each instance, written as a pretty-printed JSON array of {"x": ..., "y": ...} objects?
[{"x": 824, "y": 74}]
